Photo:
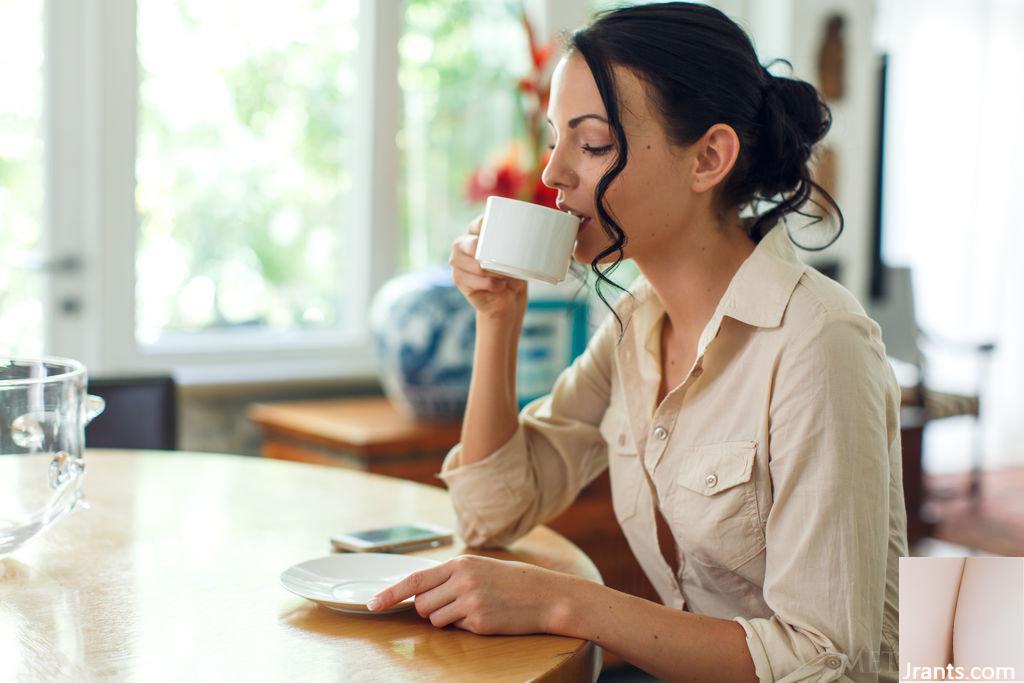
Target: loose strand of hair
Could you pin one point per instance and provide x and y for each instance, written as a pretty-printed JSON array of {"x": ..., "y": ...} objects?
[
  {"x": 605, "y": 86},
  {"x": 793, "y": 203}
]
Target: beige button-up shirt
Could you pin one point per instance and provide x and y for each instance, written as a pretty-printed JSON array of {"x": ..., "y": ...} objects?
[{"x": 776, "y": 465}]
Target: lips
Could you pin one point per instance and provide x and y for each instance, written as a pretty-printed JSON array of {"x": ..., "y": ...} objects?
[{"x": 584, "y": 219}]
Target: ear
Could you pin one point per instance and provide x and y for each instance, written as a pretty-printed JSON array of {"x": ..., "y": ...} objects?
[{"x": 717, "y": 151}]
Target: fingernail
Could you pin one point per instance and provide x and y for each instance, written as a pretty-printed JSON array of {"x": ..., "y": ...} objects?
[{"x": 373, "y": 604}]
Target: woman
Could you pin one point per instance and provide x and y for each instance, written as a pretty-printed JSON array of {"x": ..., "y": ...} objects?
[{"x": 742, "y": 401}]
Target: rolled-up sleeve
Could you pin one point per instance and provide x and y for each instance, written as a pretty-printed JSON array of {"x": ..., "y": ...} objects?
[
  {"x": 556, "y": 450},
  {"x": 834, "y": 429}
]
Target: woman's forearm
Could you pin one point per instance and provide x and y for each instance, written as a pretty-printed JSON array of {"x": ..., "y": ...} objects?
[
  {"x": 669, "y": 644},
  {"x": 492, "y": 412}
]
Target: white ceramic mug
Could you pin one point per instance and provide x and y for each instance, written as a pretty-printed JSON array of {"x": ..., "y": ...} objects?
[{"x": 526, "y": 241}]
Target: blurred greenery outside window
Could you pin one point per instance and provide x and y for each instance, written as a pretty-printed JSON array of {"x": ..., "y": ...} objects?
[{"x": 242, "y": 164}]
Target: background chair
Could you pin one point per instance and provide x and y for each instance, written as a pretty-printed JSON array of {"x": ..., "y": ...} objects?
[
  {"x": 141, "y": 413},
  {"x": 905, "y": 342}
]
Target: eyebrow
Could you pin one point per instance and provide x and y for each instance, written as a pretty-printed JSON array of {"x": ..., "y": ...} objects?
[{"x": 573, "y": 122}]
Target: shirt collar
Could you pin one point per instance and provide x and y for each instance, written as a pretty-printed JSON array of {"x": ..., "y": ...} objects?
[
  {"x": 761, "y": 289},
  {"x": 757, "y": 295}
]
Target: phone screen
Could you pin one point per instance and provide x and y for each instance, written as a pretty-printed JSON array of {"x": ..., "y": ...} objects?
[{"x": 395, "y": 534}]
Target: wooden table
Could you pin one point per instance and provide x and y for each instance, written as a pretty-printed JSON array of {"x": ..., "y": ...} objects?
[{"x": 172, "y": 574}]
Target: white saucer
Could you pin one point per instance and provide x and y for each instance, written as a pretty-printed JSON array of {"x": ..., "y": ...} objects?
[{"x": 345, "y": 582}]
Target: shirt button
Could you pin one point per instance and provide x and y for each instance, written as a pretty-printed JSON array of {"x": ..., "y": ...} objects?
[
  {"x": 833, "y": 662},
  {"x": 660, "y": 434},
  {"x": 711, "y": 480},
  {"x": 622, "y": 439}
]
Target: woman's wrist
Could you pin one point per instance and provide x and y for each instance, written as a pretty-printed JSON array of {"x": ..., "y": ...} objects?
[
  {"x": 495, "y": 354},
  {"x": 502, "y": 322},
  {"x": 566, "y": 608}
]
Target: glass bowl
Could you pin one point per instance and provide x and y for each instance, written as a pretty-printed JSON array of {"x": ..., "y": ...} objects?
[{"x": 44, "y": 409}]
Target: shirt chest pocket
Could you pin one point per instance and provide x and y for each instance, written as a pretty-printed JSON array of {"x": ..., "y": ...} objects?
[{"x": 713, "y": 506}]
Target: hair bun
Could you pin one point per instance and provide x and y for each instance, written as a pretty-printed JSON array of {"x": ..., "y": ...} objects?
[{"x": 793, "y": 120}]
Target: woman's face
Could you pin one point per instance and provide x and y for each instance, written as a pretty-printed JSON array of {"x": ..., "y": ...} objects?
[{"x": 651, "y": 199}]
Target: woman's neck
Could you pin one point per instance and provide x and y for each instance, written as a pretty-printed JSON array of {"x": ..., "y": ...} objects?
[{"x": 689, "y": 275}]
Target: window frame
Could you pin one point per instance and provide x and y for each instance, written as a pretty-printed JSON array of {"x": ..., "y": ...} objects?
[{"x": 90, "y": 126}]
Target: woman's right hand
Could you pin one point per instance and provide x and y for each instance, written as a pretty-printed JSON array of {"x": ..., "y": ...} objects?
[{"x": 493, "y": 296}]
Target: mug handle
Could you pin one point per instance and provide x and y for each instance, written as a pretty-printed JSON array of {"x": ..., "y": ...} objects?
[{"x": 94, "y": 405}]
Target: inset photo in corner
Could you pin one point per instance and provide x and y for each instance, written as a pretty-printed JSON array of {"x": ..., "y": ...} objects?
[{"x": 961, "y": 619}]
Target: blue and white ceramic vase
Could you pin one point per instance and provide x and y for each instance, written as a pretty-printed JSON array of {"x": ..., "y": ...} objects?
[{"x": 424, "y": 331}]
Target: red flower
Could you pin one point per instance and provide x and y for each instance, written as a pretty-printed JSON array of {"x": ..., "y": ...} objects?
[{"x": 505, "y": 180}]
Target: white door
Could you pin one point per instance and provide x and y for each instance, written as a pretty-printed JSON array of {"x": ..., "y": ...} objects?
[{"x": 42, "y": 262}]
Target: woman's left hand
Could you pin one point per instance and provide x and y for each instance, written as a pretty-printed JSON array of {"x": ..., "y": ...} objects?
[{"x": 482, "y": 595}]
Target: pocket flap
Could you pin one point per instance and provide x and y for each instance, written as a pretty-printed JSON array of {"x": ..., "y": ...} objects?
[
  {"x": 614, "y": 429},
  {"x": 717, "y": 467}
]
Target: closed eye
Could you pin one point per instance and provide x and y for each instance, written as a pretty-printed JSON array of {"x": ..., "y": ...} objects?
[{"x": 597, "y": 151}]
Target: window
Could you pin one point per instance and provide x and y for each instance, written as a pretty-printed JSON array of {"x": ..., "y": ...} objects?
[
  {"x": 243, "y": 165},
  {"x": 21, "y": 176}
]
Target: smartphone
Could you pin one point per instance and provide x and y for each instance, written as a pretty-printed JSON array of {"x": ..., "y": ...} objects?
[{"x": 393, "y": 539}]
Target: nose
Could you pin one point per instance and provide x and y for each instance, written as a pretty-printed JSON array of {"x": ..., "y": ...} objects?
[{"x": 557, "y": 174}]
